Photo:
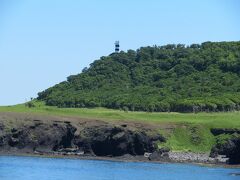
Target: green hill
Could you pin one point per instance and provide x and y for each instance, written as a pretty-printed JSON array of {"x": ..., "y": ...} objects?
[{"x": 161, "y": 78}]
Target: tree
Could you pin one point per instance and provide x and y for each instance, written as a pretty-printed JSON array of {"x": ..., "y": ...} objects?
[{"x": 201, "y": 77}]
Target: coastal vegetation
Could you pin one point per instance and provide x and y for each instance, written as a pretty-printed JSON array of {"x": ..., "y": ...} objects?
[
  {"x": 156, "y": 99},
  {"x": 212, "y": 120},
  {"x": 177, "y": 78},
  {"x": 183, "y": 131}
]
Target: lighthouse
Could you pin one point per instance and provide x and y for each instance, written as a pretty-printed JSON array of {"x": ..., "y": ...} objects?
[{"x": 117, "y": 47}]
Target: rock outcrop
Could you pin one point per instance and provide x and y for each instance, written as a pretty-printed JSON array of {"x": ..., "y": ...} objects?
[
  {"x": 160, "y": 155},
  {"x": 100, "y": 139},
  {"x": 230, "y": 147},
  {"x": 38, "y": 136},
  {"x": 109, "y": 140},
  {"x": 218, "y": 131}
]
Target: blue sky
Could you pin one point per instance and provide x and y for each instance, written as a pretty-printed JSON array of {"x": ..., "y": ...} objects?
[{"x": 44, "y": 41}]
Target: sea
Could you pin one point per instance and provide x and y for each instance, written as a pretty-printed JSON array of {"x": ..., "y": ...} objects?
[{"x": 38, "y": 168}]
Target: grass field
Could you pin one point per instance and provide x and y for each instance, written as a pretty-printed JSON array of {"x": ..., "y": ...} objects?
[
  {"x": 191, "y": 134},
  {"x": 217, "y": 119}
]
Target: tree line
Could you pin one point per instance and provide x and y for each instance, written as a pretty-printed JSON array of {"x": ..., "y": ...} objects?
[{"x": 199, "y": 77}]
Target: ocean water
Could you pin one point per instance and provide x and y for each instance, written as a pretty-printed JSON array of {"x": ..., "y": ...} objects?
[{"x": 34, "y": 168}]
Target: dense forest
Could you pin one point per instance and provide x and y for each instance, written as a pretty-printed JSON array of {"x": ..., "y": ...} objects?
[{"x": 199, "y": 77}]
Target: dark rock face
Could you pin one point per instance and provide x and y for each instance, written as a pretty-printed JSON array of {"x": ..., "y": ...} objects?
[
  {"x": 2, "y": 137},
  {"x": 1, "y": 126},
  {"x": 218, "y": 131},
  {"x": 231, "y": 149},
  {"x": 102, "y": 139},
  {"x": 160, "y": 155},
  {"x": 2, "y": 140},
  {"x": 107, "y": 140},
  {"x": 67, "y": 138},
  {"x": 38, "y": 136}
]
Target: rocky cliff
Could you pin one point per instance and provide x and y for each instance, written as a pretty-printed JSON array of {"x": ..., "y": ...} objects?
[
  {"x": 48, "y": 135},
  {"x": 230, "y": 146},
  {"x": 93, "y": 137}
]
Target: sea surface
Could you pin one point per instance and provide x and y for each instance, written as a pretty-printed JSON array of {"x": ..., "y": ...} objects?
[{"x": 35, "y": 168}]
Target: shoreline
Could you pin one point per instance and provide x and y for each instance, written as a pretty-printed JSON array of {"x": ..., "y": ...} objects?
[
  {"x": 98, "y": 140},
  {"x": 125, "y": 158}
]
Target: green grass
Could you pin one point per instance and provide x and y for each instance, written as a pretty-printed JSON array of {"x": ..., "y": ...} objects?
[
  {"x": 192, "y": 132},
  {"x": 220, "y": 119},
  {"x": 194, "y": 138}
]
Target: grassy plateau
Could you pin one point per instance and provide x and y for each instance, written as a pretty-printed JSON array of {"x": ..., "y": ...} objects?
[{"x": 191, "y": 132}]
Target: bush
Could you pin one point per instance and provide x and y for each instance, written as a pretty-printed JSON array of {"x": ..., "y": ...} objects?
[{"x": 30, "y": 104}]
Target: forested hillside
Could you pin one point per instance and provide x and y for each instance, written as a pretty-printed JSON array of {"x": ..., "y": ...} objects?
[{"x": 179, "y": 78}]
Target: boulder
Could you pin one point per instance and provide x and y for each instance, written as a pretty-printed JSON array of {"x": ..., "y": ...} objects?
[
  {"x": 231, "y": 149},
  {"x": 160, "y": 155}
]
